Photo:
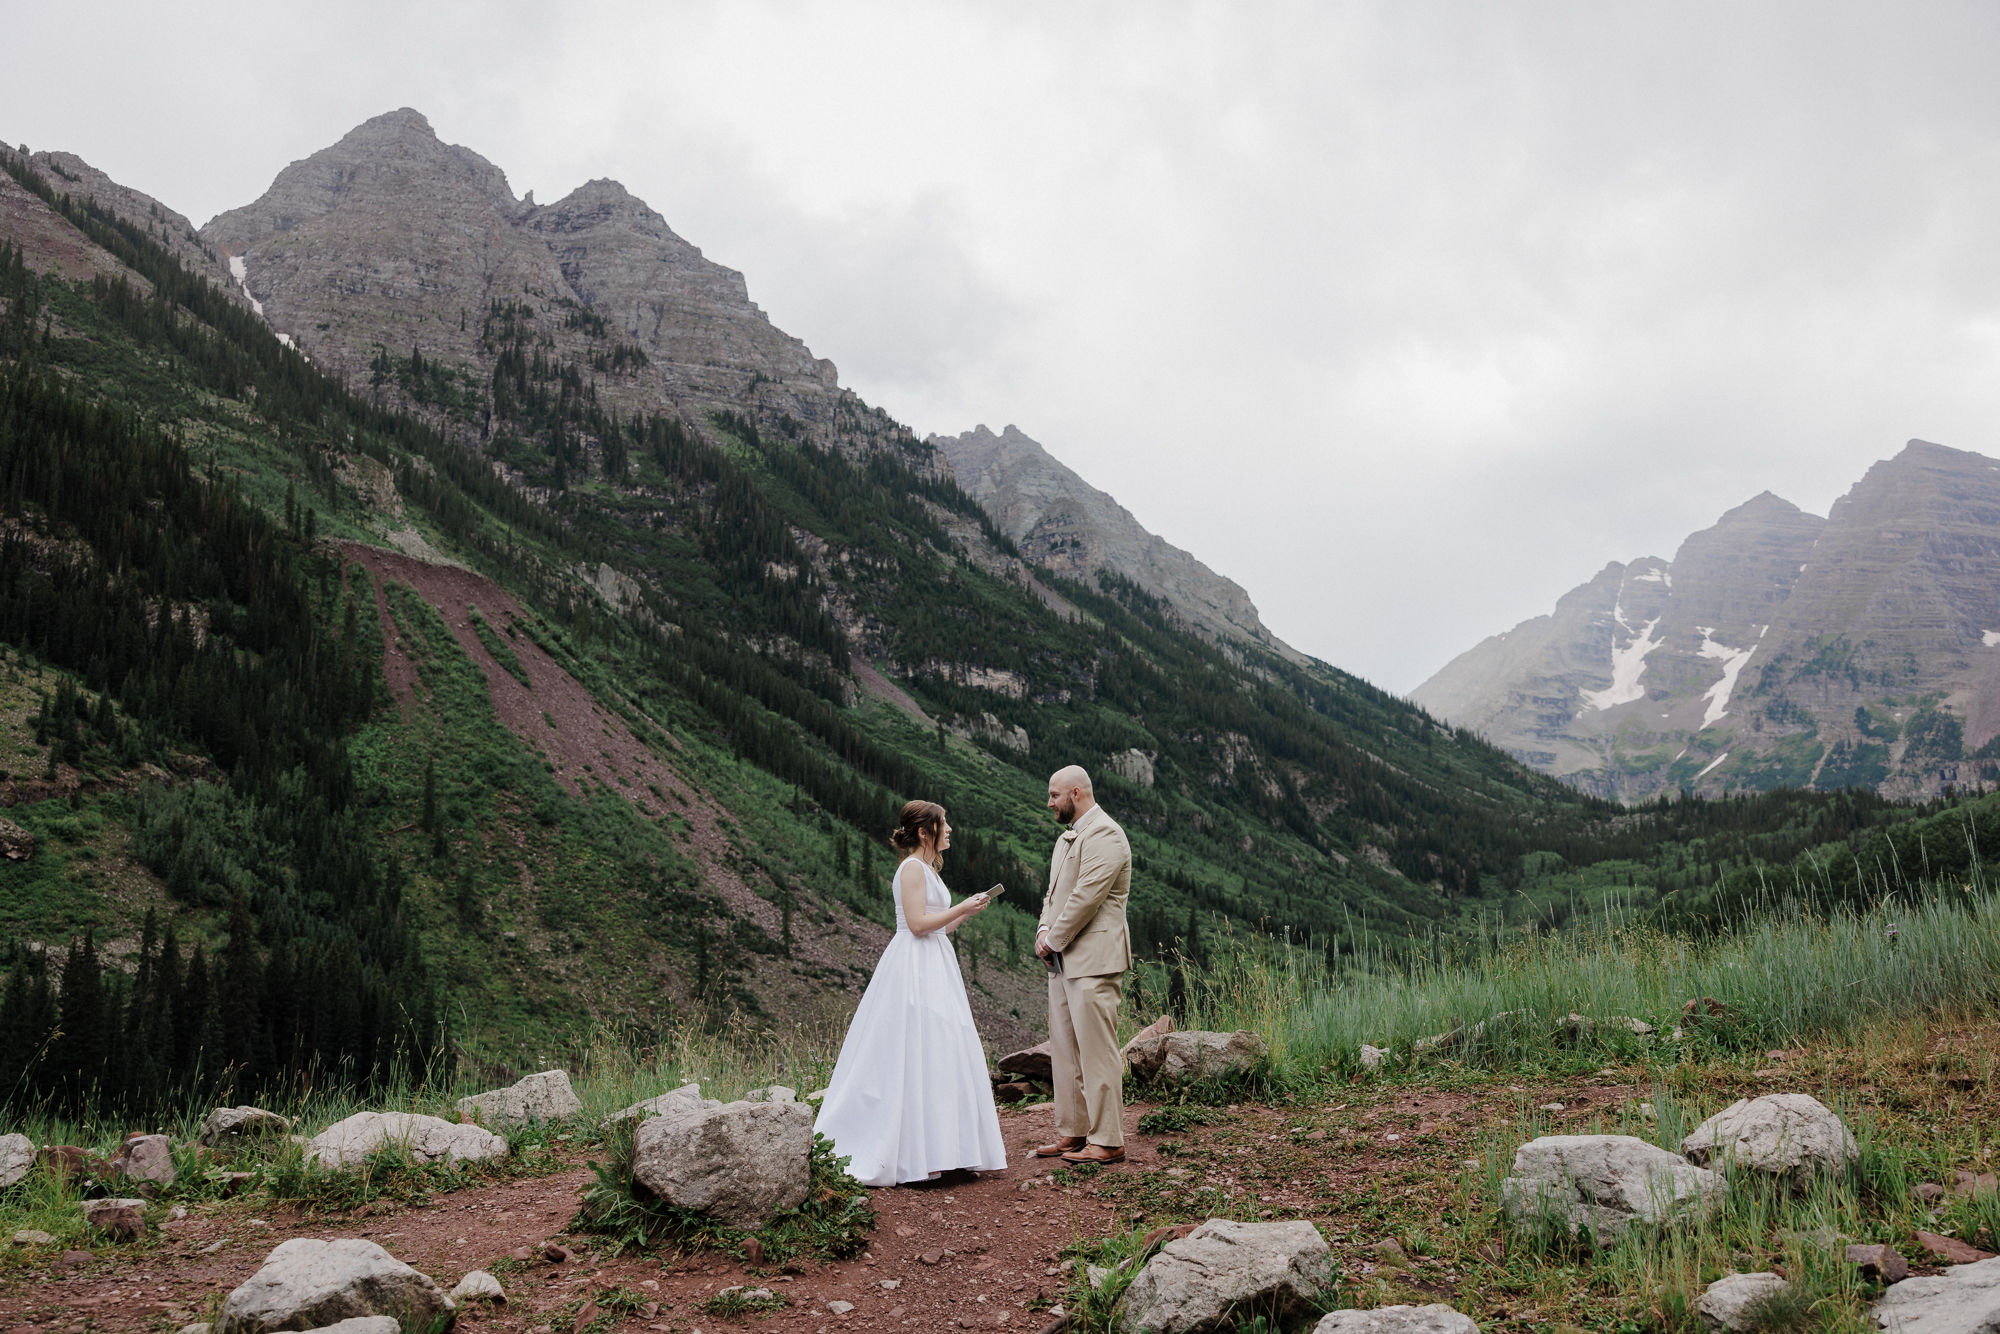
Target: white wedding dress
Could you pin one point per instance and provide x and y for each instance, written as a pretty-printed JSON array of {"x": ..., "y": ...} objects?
[{"x": 910, "y": 1097}]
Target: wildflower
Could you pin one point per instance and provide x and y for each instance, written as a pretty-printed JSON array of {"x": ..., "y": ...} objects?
[{"x": 1893, "y": 933}]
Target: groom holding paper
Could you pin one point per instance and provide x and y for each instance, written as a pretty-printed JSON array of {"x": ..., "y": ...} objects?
[{"x": 1083, "y": 942}]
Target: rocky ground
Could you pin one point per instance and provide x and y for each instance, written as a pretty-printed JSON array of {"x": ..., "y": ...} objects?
[{"x": 1391, "y": 1171}]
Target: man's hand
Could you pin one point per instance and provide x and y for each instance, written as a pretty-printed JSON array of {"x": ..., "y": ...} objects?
[{"x": 1042, "y": 950}]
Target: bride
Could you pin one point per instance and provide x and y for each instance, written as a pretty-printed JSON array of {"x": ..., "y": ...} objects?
[{"x": 910, "y": 1098}]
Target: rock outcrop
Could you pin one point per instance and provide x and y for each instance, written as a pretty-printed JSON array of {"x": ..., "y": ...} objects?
[
  {"x": 1784, "y": 1134},
  {"x": 1595, "y": 1187},
  {"x": 1193, "y": 1284},
  {"x": 739, "y": 1163},
  {"x": 308, "y": 1284},
  {"x": 1069, "y": 527},
  {"x": 428, "y": 1139},
  {"x": 542, "y": 1097},
  {"x": 144, "y": 1158},
  {"x": 391, "y": 238}
]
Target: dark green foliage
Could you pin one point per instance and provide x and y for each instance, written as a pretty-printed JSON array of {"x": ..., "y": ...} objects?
[{"x": 498, "y": 647}]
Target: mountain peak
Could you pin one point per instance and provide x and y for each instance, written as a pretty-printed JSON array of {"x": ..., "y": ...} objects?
[{"x": 406, "y": 122}]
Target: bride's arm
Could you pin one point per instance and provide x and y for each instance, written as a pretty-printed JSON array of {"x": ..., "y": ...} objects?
[{"x": 910, "y": 885}]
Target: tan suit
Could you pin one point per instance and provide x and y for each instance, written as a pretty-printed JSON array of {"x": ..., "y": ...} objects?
[{"x": 1090, "y": 877}]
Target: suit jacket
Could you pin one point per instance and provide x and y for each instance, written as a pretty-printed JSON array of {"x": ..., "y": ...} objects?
[{"x": 1090, "y": 877}]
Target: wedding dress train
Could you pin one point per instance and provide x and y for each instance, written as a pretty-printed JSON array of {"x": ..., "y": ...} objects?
[{"x": 910, "y": 1097}]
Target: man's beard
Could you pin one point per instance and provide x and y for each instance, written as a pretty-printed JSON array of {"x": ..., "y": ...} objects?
[{"x": 1065, "y": 810}]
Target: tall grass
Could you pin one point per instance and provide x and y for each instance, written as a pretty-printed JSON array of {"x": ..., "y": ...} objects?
[{"x": 1787, "y": 977}]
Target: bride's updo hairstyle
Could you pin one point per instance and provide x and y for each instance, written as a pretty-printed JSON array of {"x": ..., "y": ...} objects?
[{"x": 920, "y": 821}]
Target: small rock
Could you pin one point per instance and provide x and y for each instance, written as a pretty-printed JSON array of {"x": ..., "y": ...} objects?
[
  {"x": 1884, "y": 1264},
  {"x": 177, "y": 1213},
  {"x": 1035, "y": 1064},
  {"x": 840, "y": 1308},
  {"x": 931, "y": 1257},
  {"x": 521, "y": 1255},
  {"x": 16, "y": 843},
  {"x": 235, "y": 1125},
  {"x": 479, "y": 1286},
  {"x": 1950, "y": 1249},
  {"x": 1390, "y": 1252},
  {"x": 144, "y": 1158},
  {"x": 1966, "y": 1184},
  {"x": 17, "y": 1155},
  {"x": 558, "y": 1254},
  {"x": 891, "y": 1284},
  {"x": 67, "y": 1161},
  {"x": 740, "y": 1163},
  {"x": 1095, "y": 1275},
  {"x": 1192, "y": 1283},
  {"x": 686, "y": 1098},
  {"x": 1599, "y": 1185},
  {"x": 1372, "y": 1057},
  {"x": 429, "y": 1139},
  {"x": 1434, "y": 1319},
  {"x": 28, "y": 1236},
  {"x": 772, "y": 1093},
  {"x": 362, "y": 1324},
  {"x": 540, "y": 1097},
  {"x": 1928, "y": 1191},
  {"x": 1553, "y": 1107},
  {"x": 1962, "y": 1300},
  {"x": 310, "y": 1284},
  {"x": 1708, "y": 1007},
  {"x": 1016, "y": 1091},
  {"x": 200, "y": 1327},
  {"x": 1731, "y": 1301},
  {"x": 1179, "y": 1058},
  {"x": 75, "y": 1258},
  {"x": 1784, "y": 1134}
]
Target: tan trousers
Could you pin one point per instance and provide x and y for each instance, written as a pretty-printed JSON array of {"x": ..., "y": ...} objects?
[{"x": 1083, "y": 1049}]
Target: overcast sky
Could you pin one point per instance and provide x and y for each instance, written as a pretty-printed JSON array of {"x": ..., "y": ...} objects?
[{"x": 1406, "y": 316}]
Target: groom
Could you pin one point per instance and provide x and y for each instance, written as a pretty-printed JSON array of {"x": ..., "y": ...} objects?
[{"x": 1083, "y": 942}]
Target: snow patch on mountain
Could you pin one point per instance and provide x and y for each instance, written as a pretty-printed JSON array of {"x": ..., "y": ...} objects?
[
  {"x": 240, "y": 271},
  {"x": 1732, "y": 660},
  {"x": 1991, "y": 638},
  {"x": 1711, "y": 764},
  {"x": 1628, "y": 664}
]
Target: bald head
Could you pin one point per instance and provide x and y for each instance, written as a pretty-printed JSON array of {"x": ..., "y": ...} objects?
[
  {"x": 1071, "y": 776},
  {"x": 1070, "y": 793}
]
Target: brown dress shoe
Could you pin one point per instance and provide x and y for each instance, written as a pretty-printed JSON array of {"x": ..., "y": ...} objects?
[
  {"x": 1096, "y": 1153},
  {"x": 1061, "y": 1147}
]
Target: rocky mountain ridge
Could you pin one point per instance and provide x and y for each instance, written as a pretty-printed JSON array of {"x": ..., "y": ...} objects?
[
  {"x": 1064, "y": 524},
  {"x": 1776, "y": 648},
  {"x": 391, "y": 242}
]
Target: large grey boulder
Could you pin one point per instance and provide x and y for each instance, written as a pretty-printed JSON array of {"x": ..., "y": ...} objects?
[
  {"x": 17, "y": 1155},
  {"x": 1964, "y": 1299},
  {"x": 543, "y": 1097},
  {"x": 429, "y": 1139},
  {"x": 1599, "y": 1185},
  {"x": 674, "y": 1102},
  {"x": 360, "y": 1324},
  {"x": 309, "y": 1284},
  {"x": 144, "y": 1158},
  {"x": 739, "y": 1163},
  {"x": 1192, "y": 1285},
  {"x": 1734, "y": 1301},
  {"x": 1179, "y": 1058},
  {"x": 230, "y": 1125},
  {"x": 1036, "y": 1062},
  {"x": 1784, "y": 1134},
  {"x": 1435, "y": 1319}
]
